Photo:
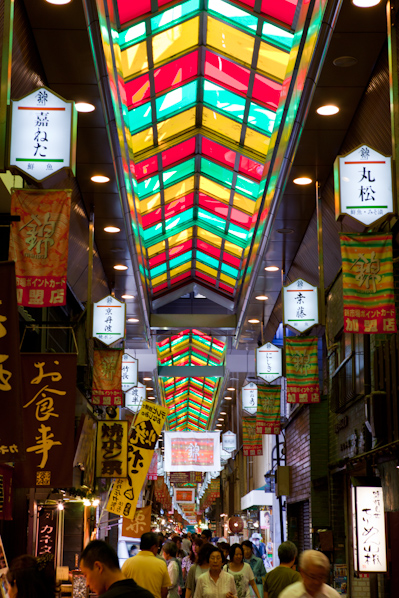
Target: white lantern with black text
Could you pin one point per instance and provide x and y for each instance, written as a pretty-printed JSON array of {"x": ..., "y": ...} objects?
[
  {"x": 369, "y": 542},
  {"x": 249, "y": 394},
  {"x": 269, "y": 363},
  {"x": 229, "y": 442},
  {"x": 135, "y": 397},
  {"x": 129, "y": 372}
]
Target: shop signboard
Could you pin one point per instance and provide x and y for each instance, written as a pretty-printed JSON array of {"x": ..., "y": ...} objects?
[
  {"x": 300, "y": 305},
  {"x": 269, "y": 364},
  {"x": 197, "y": 451},
  {"x": 363, "y": 185},
  {"x": 185, "y": 495},
  {"x": 135, "y": 397},
  {"x": 112, "y": 449},
  {"x": 109, "y": 318},
  {"x": 249, "y": 395},
  {"x": 229, "y": 441},
  {"x": 369, "y": 539},
  {"x": 130, "y": 367}
]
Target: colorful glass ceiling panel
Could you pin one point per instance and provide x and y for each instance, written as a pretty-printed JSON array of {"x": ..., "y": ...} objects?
[
  {"x": 202, "y": 82},
  {"x": 190, "y": 400}
]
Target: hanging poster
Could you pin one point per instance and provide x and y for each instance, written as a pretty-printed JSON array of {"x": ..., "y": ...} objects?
[
  {"x": 249, "y": 395},
  {"x": 142, "y": 440},
  {"x": 11, "y": 433},
  {"x": 6, "y": 492},
  {"x": 48, "y": 420},
  {"x": 302, "y": 370},
  {"x": 368, "y": 286},
  {"x": 141, "y": 524},
  {"x": 107, "y": 377},
  {"x": 268, "y": 414},
  {"x": 39, "y": 245},
  {"x": 197, "y": 451},
  {"x": 112, "y": 449},
  {"x": 184, "y": 495},
  {"x": 252, "y": 441}
]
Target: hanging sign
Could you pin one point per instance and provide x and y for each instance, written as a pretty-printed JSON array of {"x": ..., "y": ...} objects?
[
  {"x": 300, "y": 301},
  {"x": 43, "y": 134},
  {"x": 249, "y": 394},
  {"x": 302, "y": 369},
  {"x": 112, "y": 449},
  {"x": 229, "y": 442},
  {"x": 46, "y": 539},
  {"x": 135, "y": 397},
  {"x": 39, "y": 245},
  {"x": 109, "y": 318},
  {"x": 369, "y": 541},
  {"x": 269, "y": 364},
  {"x": 196, "y": 451},
  {"x": 107, "y": 373},
  {"x": 141, "y": 524},
  {"x": 224, "y": 455},
  {"x": 185, "y": 495},
  {"x": 268, "y": 414},
  {"x": 368, "y": 285},
  {"x": 129, "y": 372},
  {"x": 252, "y": 440},
  {"x": 363, "y": 185}
]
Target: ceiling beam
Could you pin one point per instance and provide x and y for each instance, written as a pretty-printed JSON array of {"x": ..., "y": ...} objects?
[
  {"x": 187, "y": 371},
  {"x": 199, "y": 321}
]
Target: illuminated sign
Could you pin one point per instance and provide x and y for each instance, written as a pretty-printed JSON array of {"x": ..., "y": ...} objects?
[
  {"x": 369, "y": 543},
  {"x": 301, "y": 310},
  {"x": 363, "y": 185},
  {"x": 129, "y": 372},
  {"x": 249, "y": 394},
  {"x": 43, "y": 134},
  {"x": 135, "y": 397},
  {"x": 269, "y": 365},
  {"x": 229, "y": 442},
  {"x": 109, "y": 317},
  {"x": 193, "y": 451}
]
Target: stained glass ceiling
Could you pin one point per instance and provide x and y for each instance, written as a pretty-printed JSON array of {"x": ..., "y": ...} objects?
[
  {"x": 190, "y": 399},
  {"x": 201, "y": 85}
]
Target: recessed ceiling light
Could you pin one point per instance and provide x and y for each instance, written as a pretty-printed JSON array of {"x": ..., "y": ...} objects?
[
  {"x": 127, "y": 296},
  {"x": 149, "y": 388},
  {"x": 112, "y": 229},
  {"x": 223, "y": 413},
  {"x": 84, "y": 106},
  {"x": 231, "y": 388},
  {"x": 365, "y": 3},
  {"x": 345, "y": 61},
  {"x": 151, "y": 398},
  {"x": 99, "y": 178},
  {"x": 120, "y": 267},
  {"x": 219, "y": 424},
  {"x": 253, "y": 321},
  {"x": 327, "y": 110},
  {"x": 262, "y": 297},
  {"x": 147, "y": 378},
  {"x": 133, "y": 320},
  {"x": 272, "y": 268},
  {"x": 302, "y": 180},
  {"x": 228, "y": 398},
  {"x": 285, "y": 231},
  {"x": 59, "y": 2}
]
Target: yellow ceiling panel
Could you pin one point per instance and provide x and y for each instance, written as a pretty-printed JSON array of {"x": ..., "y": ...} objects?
[
  {"x": 272, "y": 61},
  {"x": 175, "y": 40},
  {"x": 257, "y": 141},
  {"x": 142, "y": 140},
  {"x": 221, "y": 124},
  {"x": 206, "y": 269},
  {"x": 214, "y": 189},
  {"x": 180, "y": 270},
  {"x": 209, "y": 237},
  {"x": 185, "y": 235},
  {"x": 234, "y": 249},
  {"x": 156, "y": 281},
  {"x": 228, "y": 279},
  {"x": 134, "y": 60},
  {"x": 150, "y": 203},
  {"x": 157, "y": 248},
  {"x": 179, "y": 190},
  {"x": 230, "y": 41},
  {"x": 244, "y": 203},
  {"x": 175, "y": 125}
]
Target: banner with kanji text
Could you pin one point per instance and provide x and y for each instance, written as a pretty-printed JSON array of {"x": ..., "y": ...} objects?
[
  {"x": 141, "y": 524},
  {"x": 252, "y": 440},
  {"x": 268, "y": 413},
  {"x": 112, "y": 449},
  {"x": 368, "y": 287},
  {"x": 302, "y": 370},
  {"x": 39, "y": 245},
  {"x": 107, "y": 377}
]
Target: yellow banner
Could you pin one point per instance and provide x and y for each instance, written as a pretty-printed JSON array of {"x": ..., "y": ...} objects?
[
  {"x": 144, "y": 435},
  {"x": 140, "y": 524},
  {"x": 112, "y": 449}
]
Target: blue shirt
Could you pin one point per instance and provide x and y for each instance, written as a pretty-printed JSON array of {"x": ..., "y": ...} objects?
[{"x": 257, "y": 567}]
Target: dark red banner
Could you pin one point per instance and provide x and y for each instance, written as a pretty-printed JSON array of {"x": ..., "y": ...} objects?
[
  {"x": 48, "y": 419},
  {"x": 6, "y": 492},
  {"x": 11, "y": 437},
  {"x": 46, "y": 531}
]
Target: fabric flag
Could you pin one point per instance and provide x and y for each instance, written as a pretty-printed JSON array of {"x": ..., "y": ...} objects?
[
  {"x": 252, "y": 441},
  {"x": 142, "y": 440},
  {"x": 141, "y": 524},
  {"x": 268, "y": 414},
  {"x": 302, "y": 370},
  {"x": 107, "y": 377},
  {"x": 11, "y": 432},
  {"x": 368, "y": 287},
  {"x": 39, "y": 245},
  {"x": 112, "y": 449},
  {"x": 153, "y": 469}
]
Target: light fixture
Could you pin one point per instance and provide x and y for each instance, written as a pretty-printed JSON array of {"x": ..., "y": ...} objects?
[
  {"x": 223, "y": 413},
  {"x": 219, "y": 424},
  {"x": 149, "y": 388},
  {"x": 327, "y": 110},
  {"x": 262, "y": 297},
  {"x": 95, "y": 502},
  {"x": 147, "y": 378},
  {"x": 127, "y": 296},
  {"x": 253, "y": 321},
  {"x": 58, "y": 2},
  {"x": 84, "y": 107},
  {"x": 220, "y": 419},
  {"x": 231, "y": 388},
  {"x": 302, "y": 180},
  {"x": 365, "y": 3},
  {"x": 151, "y": 398},
  {"x": 99, "y": 178},
  {"x": 228, "y": 398},
  {"x": 60, "y": 506},
  {"x": 285, "y": 231},
  {"x": 86, "y": 502},
  {"x": 120, "y": 267},
  {"x": 112, "y": 229},
  {"x": 272, "y": 268},
  {"x": 133, "y": 320},
  {"x": 345, "y": 61}
]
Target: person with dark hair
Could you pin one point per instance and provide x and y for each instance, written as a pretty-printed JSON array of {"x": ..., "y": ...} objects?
[
  {"x": 190, "y": 559},
  {"x": 206, "y": 535},
  {"x": 241, "y": 572},
  {"x": 255, "y": 563},
  {"x": 180, "y": 552},
  {"x": 283, "y": 575},
  {"x": 100, "y": 565},
  {"x": 200, "y": 566},
  {"x": 225, "y": 548},
  {"x": 147, "y": 569},
  {"x": 169, "y": 550},
  {"x": 216, "y": 582},
  {"x": 30, "y": 577}
]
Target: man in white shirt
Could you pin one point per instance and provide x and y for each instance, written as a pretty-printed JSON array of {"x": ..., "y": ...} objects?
[{"x": 314, "y": 567}]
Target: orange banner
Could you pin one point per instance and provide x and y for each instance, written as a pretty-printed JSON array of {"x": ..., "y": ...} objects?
[
  {"x": 39, "y": 245},
  {"x": 134, "y": 528},
  {"x": 107, "y": 377}
]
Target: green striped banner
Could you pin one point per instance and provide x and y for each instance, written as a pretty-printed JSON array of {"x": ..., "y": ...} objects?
[{"x": 302, "y": 370}]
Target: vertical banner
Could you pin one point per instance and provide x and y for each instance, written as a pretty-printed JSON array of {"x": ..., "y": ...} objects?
[
  {"x": 11, "y": 433},
  {"x": 268, "y": 414},
  {"x": 141, "y": 524},
  {"x": 46, "y": 541},
  {"x": 112, "y": 449},
  {"x": 252, "y": 441},
  {"x": 39, "y": 245},
  {"x": 48, "y": 420},
  {"x": 302, "y": 370},
  {"x": 141, "y": 444},
  {"x": 6, "y": 492},
  {"x": 153, "y": 469},
  {"x": 368, "y": 287},
  {"x": 107, "y": 377}
]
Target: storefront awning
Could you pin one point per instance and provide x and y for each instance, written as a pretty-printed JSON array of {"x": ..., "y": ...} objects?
[{"x": 257, "y": 498}]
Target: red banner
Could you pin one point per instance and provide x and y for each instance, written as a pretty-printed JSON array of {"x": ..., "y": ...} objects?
[
  {"x": 107, "y": 377},
  {"x": 48, "y": 420},
  {"x": 6, "y": 492},
  {"x": 39, "y": 245},
  {"x": 11, "y": 436},
  {"x": 302, "y": 370},
  {"x": 252, "y": 440},
  {"x": 153, "y": 470}
]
